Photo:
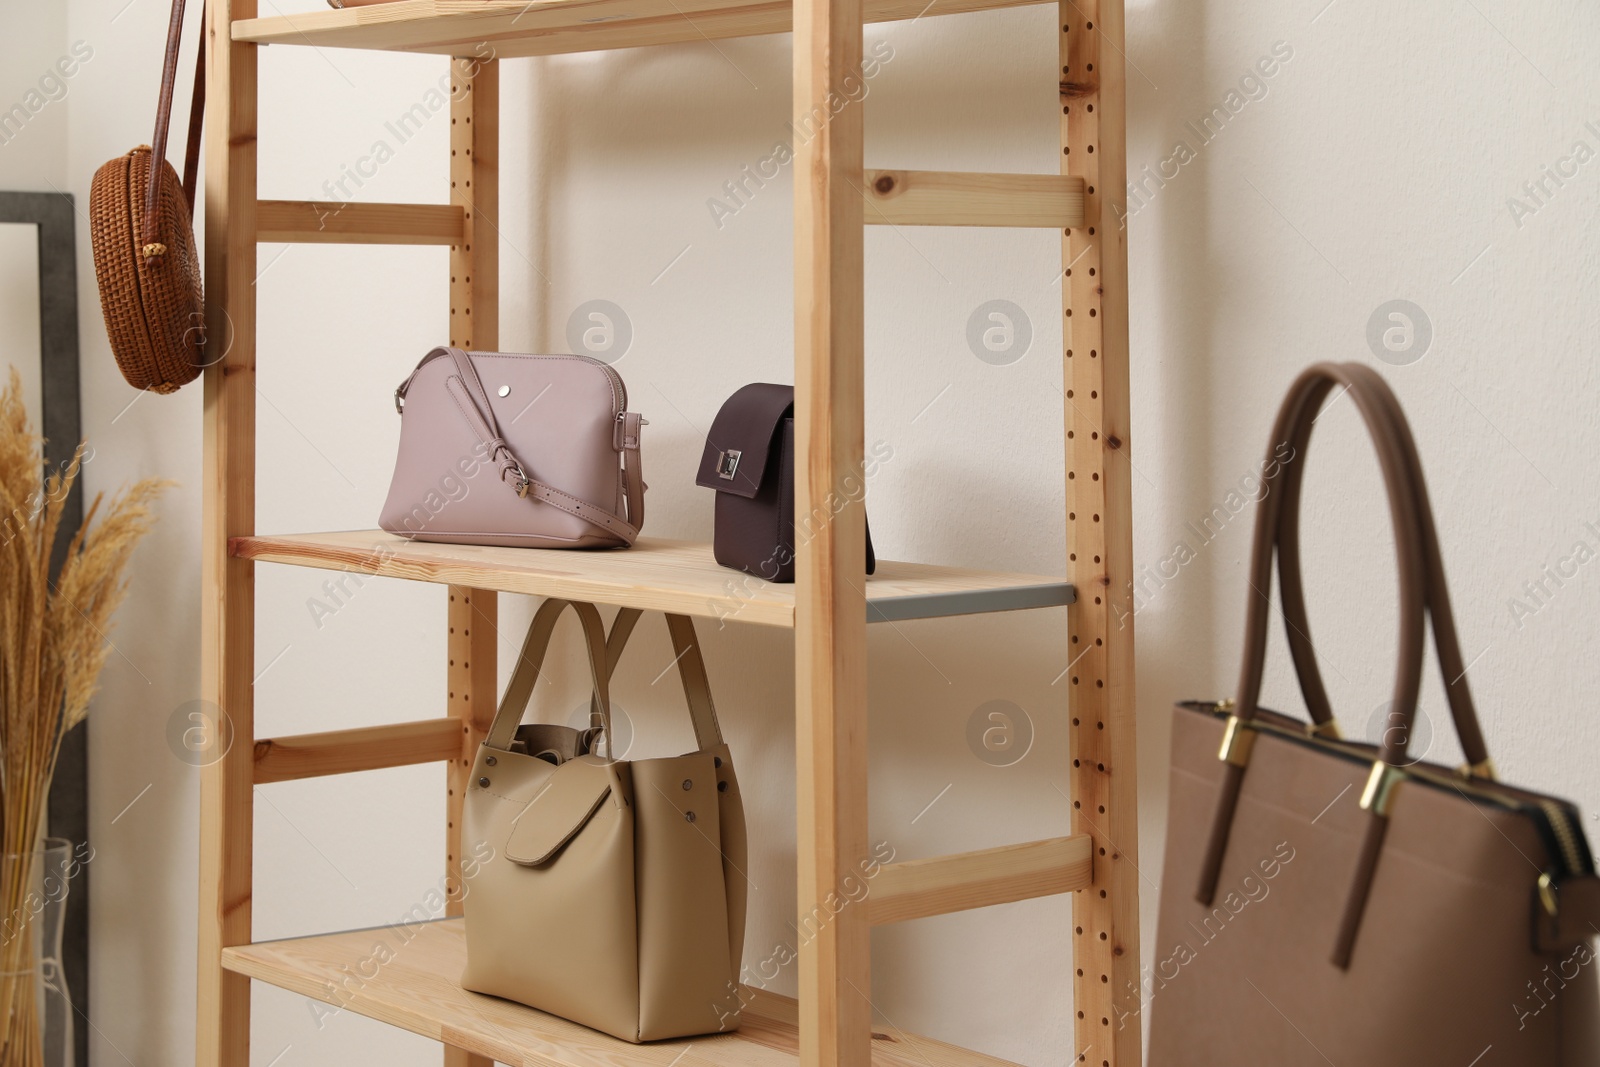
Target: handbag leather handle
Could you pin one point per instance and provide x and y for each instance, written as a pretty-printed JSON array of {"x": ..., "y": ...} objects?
[
  {"x": 1293, "y": 428},
  {"x": 1422, "y": 590},
  {"x": 691, "y": 670},
  {"x": 1441, "y": 617},
  {"x": 151, "y": 232},
  {"x": 530, "y": 662},
  {"x": 473, "y": 402}
]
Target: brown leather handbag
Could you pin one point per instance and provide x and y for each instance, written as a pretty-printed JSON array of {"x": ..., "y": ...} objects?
[
  {"x": 1330, "y": 901},
  {"x": 141, "y": 225},
  {"x": 749, "y": 460},
  {"x": 606, "y": 891}
]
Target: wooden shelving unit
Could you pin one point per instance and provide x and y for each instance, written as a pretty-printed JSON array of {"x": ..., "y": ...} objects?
[{"x": 828, "y": 608}]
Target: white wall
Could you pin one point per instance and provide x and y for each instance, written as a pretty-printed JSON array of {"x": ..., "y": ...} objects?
[
  {"x": 1376, "y": 166},
  {"x": 33, "y": 157}
]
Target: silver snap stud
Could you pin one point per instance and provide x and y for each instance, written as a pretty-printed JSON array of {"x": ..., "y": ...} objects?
[
  {"x": 688, "y": 816},
  {"x": 483, "y": 782},
  {"x": 688, "y": 784},
  {"x": 490, "y": 760},
  {"x": 505, "y": 390}
]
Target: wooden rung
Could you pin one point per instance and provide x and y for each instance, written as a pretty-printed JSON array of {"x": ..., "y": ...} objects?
[
  {"x": 325, "y": 222},
  {"x": 284, "y": 759},
  {"x": 943, "y": 198},
  {"x": 939, "y": 885}
]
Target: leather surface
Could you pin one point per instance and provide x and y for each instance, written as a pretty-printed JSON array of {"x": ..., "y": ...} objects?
[
  {"x": 755, "y": 534},
  {"x": 1322, "y": 931},
  {"x": 747, "y": 423},
  {"x": 615, "y": 896},
  {"x": 563, "y": 803},
  {"x": 1442, "y": 966},
  {"x": 754, "y": 529},
  {"x": 708, "y": 738},
  {"x": 562, "y": 423}
]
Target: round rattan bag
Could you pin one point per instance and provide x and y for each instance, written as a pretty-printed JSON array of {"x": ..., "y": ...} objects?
[{"x": 141, "y": 222}]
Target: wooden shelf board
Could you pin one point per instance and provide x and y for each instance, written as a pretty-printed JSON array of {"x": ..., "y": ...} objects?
[
  {"x": 657, "y": 575},
  {"x": 414, "y": 985},
  {"x": 510, "y": 28}
]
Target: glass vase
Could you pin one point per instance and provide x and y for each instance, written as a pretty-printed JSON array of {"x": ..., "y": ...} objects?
[{"x": 33, "y": 987}]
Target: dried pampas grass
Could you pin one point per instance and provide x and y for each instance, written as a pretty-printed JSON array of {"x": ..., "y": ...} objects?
[{"x": 53, "y": 644}]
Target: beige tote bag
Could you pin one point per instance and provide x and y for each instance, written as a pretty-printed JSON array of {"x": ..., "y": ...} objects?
[{"x": 615, "y": 892}]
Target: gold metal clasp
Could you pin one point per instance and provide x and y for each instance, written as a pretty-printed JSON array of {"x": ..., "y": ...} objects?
[
  {"x": 1550, "y": 895},
  {"x": 521, "y": 483},
  {"x": 1238, "y": 739},
  {"x": 1328, "y": 731},
  {"x": 1483, "y": 769},
  {"x": 1378, "y": 796}
]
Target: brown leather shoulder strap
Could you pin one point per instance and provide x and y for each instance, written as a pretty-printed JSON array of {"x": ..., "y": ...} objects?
[
  {"x": 1397, "y": 433},
  {"x": 197, "y": 116},
  {"x": 1422, "y": 590},
  {"x": 151, "y": 233},
  {"x": 1293, "y": 428}
]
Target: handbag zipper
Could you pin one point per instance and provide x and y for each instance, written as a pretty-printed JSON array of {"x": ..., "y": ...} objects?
[{"x": 1566, "y": 837}]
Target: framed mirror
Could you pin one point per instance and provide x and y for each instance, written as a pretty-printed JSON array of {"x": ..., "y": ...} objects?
[{"x": 39, "y": 336}]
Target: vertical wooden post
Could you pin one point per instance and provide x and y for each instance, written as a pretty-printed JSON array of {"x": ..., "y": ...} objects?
[
  {"x": 227, "y": 620},
  {"x": 471, "y": 643},
  {"x": 1105, "y": 947},
  {"x": 830, "y": 623},
  {"x": 474, "y": 324}
]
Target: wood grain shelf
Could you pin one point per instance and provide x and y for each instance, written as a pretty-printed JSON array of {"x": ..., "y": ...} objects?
[
  {"x": 656, "y": 574},
  {"x": 414, "y": 985},
  {"x": 508, "y": 28}
]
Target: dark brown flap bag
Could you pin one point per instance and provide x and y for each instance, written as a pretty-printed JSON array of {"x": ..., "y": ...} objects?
[
  {"x": 1335, "y": 902},
  {"x": 749, "y": 461}
]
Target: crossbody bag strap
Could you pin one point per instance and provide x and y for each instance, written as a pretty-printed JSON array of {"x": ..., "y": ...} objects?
[
  {"x": 691, "y": 670},
  {"x": 530, "y": 661},
  {"x": 466, "y": 388},
  {"x": 197, "y": 118},
  {"x": 150, "y": 236}
]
